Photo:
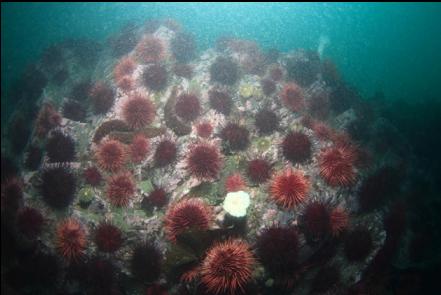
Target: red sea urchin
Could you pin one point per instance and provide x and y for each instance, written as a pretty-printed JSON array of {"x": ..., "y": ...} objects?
[
  {"x": 111, "y": 155},
  {"x": 204, "y": 129},
  {"x": 108, "y": 237},
  {"x": 71, "y": 239},
  {"x": 186, "y": 214},
  {"x": 138, "y": 111},
  {"x": 126, "y": 84},
  {"x": 47, "y": 118},
  {"x": 259, "y": 170},
  {"x": 165, "y": 154},
  {"x": 139, "y": 148},
  {"x": 204, "y": 161},
  {"x": 187, "y": 107},
  {"x": 289, "y": 188},
  {"x": 234, "y": 183},
  {"x": 158, "y": 197},
  {"x": 150, "y": 50},
  {"x": 292, "y": 97},
  {"x": 321, "y": 130},
  {"x": 296, "y": 147},
  {"x": 125, "y": 67},
  {"x": 92, "y": 176},
  {"x": 337, "y": 165},
  {"x": 227, "y": 267},
  {"x": 339, "y": 221},
  {"x": 121, "y": 189}
]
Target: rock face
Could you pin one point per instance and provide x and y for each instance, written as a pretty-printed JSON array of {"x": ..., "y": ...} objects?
[{"x": 238, "y": 71}]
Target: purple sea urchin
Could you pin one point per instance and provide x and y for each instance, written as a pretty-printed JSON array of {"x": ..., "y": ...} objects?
[
  {"x": 220, "y": 101},
  {"x": 155, "y": 77},
  {"x": 146, "y": 254},
  {"x": 266, "y": 121},
  {"x": 278, "y": 250},
  {"x": 224, "y": 71},
  {"x": 58, "y": 187},
  {"x": 108, "y": 237},
  {"x": 259, "y": 170},
  {"x": 235, "y": 136},
  {"x": 60, "y": 147},
  {"x": 166, "y": 153},
  {"x": 296, "y": 147}
]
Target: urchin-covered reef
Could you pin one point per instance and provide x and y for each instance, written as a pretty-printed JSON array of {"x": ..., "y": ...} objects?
[{"x": 126, "y": 152}]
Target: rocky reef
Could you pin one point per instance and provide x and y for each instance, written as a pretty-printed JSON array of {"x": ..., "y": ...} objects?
[{"x": 147, "y": 167}]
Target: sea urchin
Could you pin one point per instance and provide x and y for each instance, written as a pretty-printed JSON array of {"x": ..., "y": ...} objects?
[
  {"x": 292, "y": 97},
  {"x": 71, "y": 239},
  {"x": 296, "y": 147},
  {"x": 108, "y": 237},
  {"x": 121, "y": 189},
  {"x": 204, "y": 161},
  {"x": 289, "y": 188},
  {"x": 337, "y": 165},
  {"x": 259, "y": 170},
  {"x": 138, "y": 111},
  {"x": 146, "y": 262},
  {"x": 111, "y": 155},
  {"x": 234, "y": 183},
  {"x": 235, "y": 136},
  {"x": 58, "y": 187},
  {"x": 227, "y": 267},
  {"x": 187, "y": 107},
  {"x": 278, "y": 249},
  {"x": 165, "y": 154},
  {"x": 189, "y": 213},
  {"x": 139, "y": 148}
]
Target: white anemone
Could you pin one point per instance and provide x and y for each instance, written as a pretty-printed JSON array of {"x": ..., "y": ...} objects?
[{"x": 236, "y": 203}]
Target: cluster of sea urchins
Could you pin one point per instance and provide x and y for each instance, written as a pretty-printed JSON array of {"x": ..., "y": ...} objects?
[{"x": 136, "y": 138}]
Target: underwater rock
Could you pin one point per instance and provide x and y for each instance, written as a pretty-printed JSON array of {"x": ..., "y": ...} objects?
[{"x": 176, "y": 161}]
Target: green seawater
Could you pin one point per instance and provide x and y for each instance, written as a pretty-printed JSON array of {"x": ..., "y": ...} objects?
[{"x": 394, "y": 48}]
